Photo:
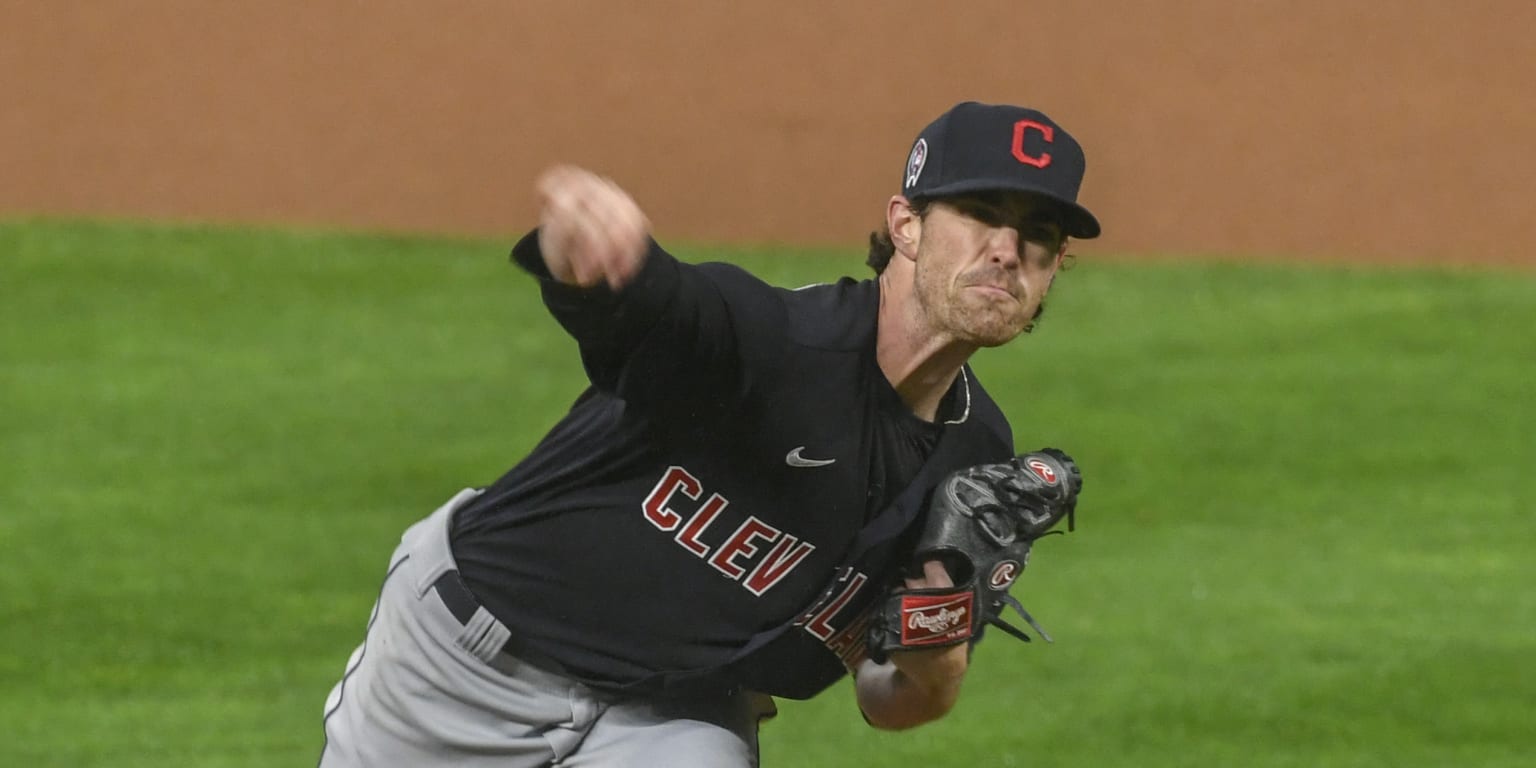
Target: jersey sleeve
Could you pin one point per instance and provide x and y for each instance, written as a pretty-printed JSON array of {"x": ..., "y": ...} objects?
[{"x": 677, "y": 335}]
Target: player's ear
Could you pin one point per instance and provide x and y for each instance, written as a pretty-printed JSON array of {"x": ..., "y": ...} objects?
[
  {"x": 1063, "y": 259},
  {"x": 905, "y": 226}
]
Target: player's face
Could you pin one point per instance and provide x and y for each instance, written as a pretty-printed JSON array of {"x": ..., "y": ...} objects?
[{"x": 984, "y": 264}]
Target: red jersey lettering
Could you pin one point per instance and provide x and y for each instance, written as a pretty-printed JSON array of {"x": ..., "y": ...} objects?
[
  {"x": 777, "y": 564},
  {"x": 849, "y": 644},
  {"x": 819, "y": 626},
  {"x": 655, "y": 504},
  {"x": 741, "y": 545},
  {"x": 742, "y": 552},
  {"x": 689, "y": 535}
]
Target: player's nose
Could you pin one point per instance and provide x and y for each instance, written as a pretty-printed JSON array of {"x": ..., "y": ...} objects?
[{"x": 1002, "y": 246}]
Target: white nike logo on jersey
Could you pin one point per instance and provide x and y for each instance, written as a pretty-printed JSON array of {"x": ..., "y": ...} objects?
[{"x": 794, "y": 459}]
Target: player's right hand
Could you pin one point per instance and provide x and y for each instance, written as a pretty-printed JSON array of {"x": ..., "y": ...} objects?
[{"x": 590, "y": 230}]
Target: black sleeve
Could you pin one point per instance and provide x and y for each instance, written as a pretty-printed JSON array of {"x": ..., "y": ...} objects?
[{"x": 677, "y": 334}]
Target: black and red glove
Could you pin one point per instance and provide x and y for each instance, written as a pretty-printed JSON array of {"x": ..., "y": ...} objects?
[{"x": 981, "y": 524}]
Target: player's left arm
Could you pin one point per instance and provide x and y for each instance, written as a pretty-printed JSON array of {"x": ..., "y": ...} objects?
[
  {"x": 913, "y": 687},
  {"x": 981, "y": 524}
]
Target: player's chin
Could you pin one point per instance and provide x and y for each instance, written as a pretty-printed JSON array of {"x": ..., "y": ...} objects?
[
  {"x": 988, "y": 318},
  {"x": 995, "y": 329}
]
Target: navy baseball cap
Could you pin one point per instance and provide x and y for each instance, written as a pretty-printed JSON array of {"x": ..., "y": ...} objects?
[{"x": 978, "y": 147}]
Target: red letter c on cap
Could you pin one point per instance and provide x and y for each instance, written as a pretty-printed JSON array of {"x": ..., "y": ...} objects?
[{"x": 1019, "y": 129}]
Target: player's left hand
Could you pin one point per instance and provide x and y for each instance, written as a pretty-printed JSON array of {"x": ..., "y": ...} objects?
[
  {"x": 916, "y": 686},
  {"x": 936, "y": 669},
  {"x": 982, "y": 522}
]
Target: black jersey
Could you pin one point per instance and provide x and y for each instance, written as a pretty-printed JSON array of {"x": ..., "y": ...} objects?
[{"x": 716, "y": 499}]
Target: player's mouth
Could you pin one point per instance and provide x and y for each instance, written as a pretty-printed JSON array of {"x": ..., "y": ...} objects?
[{"x": 994, "y": 291}]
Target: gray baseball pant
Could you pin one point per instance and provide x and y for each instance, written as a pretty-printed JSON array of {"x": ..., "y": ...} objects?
[{"x": 425, "y": 689}]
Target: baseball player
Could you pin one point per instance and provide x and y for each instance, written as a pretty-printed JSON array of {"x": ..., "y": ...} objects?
[{"x": 760, "y": 491}]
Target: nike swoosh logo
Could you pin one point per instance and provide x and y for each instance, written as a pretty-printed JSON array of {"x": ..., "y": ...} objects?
[{"x": 794, "y": 459}]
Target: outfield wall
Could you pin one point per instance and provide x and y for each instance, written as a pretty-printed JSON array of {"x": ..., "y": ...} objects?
[{"x": 1385, "y": 129}]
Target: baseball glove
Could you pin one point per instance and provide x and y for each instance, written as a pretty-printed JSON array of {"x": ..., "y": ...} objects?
[{"x": 981, "y": 524}]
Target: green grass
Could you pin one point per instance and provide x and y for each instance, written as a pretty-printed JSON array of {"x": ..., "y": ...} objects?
[{"x": 1304, "y": 540}]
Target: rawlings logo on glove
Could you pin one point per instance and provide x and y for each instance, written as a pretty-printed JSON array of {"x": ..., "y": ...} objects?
[
  {"x": 981, "y": 524},
  {"x": 935, "y": 619}
]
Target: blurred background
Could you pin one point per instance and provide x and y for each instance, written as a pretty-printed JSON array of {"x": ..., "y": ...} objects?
[
  {"x": 1346, "y": 129},
  {"x": 256, "y": 318}
]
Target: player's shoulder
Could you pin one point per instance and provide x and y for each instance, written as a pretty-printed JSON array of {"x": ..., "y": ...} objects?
[{"x": 834, "y": 316}]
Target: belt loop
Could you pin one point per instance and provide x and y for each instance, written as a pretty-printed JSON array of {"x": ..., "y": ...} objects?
[{"x": 483, "y": 635}]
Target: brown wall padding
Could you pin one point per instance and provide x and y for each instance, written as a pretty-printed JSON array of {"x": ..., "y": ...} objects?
[{"x": 1399, "y": 131}]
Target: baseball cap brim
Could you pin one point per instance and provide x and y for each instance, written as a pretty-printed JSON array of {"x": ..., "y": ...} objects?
[{"x": 1076, "y": 221}]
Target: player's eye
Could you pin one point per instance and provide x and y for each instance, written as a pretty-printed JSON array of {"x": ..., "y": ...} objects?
[
  {"x": 989, "y": 215},
  {"x": 1044, "y": 233}
]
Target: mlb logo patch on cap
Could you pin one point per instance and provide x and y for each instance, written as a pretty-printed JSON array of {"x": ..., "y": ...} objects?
[{"x": 915, "y": 162}]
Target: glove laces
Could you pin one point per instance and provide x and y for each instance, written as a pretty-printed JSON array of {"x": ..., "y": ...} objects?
[{"x": 1014, "y": 603}]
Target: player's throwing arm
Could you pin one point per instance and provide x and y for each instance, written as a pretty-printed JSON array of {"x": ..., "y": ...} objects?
[{"x": 590, "y": 230}]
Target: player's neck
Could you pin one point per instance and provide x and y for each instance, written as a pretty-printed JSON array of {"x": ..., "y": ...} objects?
[{"x": 919, "y": 365}]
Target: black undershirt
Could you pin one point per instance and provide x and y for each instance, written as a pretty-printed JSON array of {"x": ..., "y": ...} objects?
[{"x": 903, "y": 442}]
